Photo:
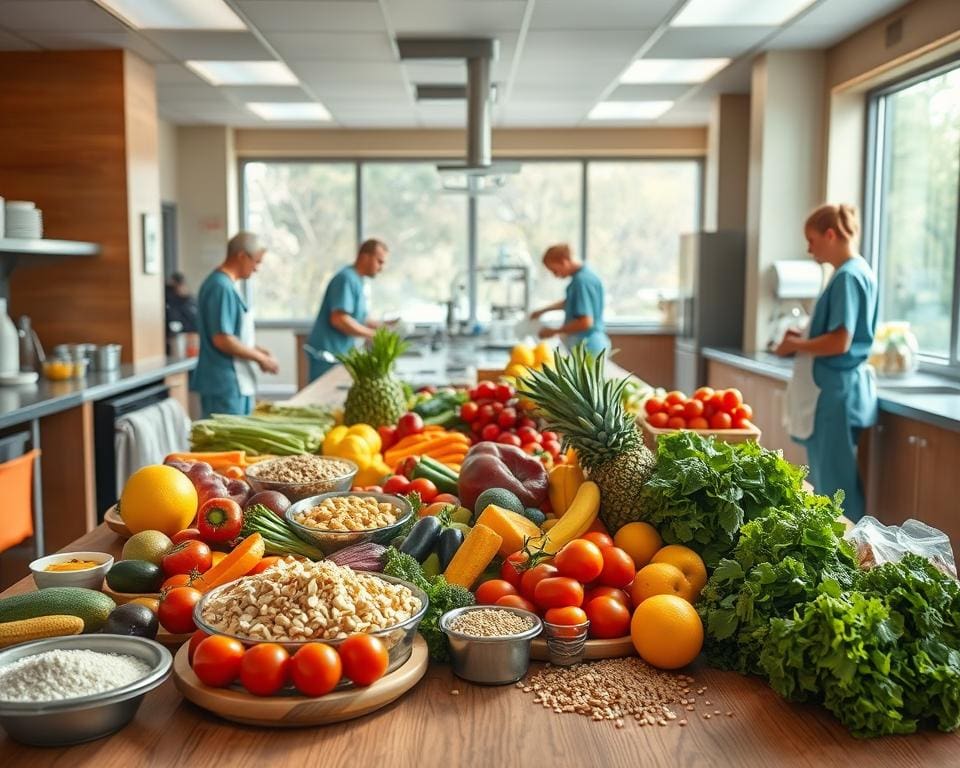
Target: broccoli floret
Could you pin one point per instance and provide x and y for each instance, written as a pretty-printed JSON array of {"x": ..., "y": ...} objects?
[
  {"x": 443, "y": 597},
  {"x": 400, "y": 565}
]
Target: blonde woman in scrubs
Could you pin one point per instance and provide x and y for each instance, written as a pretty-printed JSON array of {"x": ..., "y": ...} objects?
[{"x": 833, "y": 395}]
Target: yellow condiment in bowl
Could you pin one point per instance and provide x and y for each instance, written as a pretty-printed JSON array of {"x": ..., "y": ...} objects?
[{"x": 72, "y": 565}]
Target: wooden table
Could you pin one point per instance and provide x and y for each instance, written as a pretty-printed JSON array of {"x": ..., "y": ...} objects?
[{"x": 486, "y": 728}]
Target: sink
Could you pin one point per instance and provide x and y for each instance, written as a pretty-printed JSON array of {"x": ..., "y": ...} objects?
[{"x": 915, "y": 389}]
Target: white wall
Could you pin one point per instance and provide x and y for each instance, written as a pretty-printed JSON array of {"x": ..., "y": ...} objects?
[{"x": 167, "y": 151}]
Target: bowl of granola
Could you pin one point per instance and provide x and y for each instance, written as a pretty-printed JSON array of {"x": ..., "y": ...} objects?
[{"x": 302, "y": 475}]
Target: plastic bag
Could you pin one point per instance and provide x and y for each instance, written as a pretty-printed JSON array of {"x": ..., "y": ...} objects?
[{"x": 877, "y": 543}]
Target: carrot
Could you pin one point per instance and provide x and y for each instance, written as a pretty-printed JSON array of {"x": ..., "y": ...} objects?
[
  {"x": 447, "y": 458},
  {"x": 433, "y": 428},
  {"x": 408, "y": 446},
  {"x": 216, "y": 459},
  {"x": 239, "y": 562},
  {"x": 445, "y": 444}
]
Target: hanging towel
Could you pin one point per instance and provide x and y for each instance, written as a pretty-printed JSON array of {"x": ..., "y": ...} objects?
[{"x": 147, "y": 436}]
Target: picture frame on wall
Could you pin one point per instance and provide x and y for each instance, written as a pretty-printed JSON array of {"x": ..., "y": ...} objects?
[{"x": 150, "y": 231}]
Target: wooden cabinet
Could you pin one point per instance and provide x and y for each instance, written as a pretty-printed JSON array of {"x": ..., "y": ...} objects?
[
  {"x": 766, "y": 396},
  {"x": 912, "y": 473}
]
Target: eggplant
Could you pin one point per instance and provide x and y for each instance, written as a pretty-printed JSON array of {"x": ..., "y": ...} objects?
[
  {"x": 448, "y": 544},
  {"x": 422, "y": 538}
]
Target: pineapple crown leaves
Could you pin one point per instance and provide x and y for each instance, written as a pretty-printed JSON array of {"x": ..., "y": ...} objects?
[
  {"x": 577, "y": 400},
  {"x": 377, "y": 360}
]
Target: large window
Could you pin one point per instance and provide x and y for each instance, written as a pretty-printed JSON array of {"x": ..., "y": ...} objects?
[{"x": 912, "y": 238}]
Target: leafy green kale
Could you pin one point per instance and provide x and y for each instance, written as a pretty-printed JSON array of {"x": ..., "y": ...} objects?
[
  {"x": 777, "y": 564},
  {"x": 703, "y": 490},
  {"x": 882, "y": 658},
  {"x": 442, "y": 597}
]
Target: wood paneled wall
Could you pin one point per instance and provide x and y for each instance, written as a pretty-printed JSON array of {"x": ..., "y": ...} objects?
[
  {"x": 649, "y": 356},
  {"x": 79, "y": 137}
]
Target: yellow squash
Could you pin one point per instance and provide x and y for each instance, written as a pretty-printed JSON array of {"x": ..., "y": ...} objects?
[
  {"x": 565, "y": 480},
  {"x": 473, "y": 556}
]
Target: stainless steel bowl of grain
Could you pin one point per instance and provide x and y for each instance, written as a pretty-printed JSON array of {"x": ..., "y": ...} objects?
[
  {"x": 62, "y": 722},
  {"x": 259, "y": 477},
  {"x": 494, "y": 660}
]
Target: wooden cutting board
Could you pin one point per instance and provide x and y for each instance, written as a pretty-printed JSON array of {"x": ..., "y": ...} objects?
[
  {"x": 295, "y": 711},
  {"x": 613, "y": 648}
]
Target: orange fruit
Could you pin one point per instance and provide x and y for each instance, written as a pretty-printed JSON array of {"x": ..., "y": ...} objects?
[
  {"x": 666, "y": 631},
  {"x": 158, "y": 498},
  {"x": 660, "y": 579},
  {"x": 689, "y": 563},
  {"x": 639, "y": 540}
]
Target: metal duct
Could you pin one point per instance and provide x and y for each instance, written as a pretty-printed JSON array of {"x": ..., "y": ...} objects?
[{"x": 479, "y": 153}]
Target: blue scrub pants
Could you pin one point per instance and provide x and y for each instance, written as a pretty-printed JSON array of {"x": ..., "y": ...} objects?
[{"x": 239, "y": 405}]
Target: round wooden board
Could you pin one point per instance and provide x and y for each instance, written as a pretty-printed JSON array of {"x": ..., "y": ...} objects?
[
  {"x": 171, "y": 640},
  {"x": 115, "y": 523},
  {"x": 125, "y": 597},
  {"x": 295, "y": 711},
  {"x": 613, "y": 648}
]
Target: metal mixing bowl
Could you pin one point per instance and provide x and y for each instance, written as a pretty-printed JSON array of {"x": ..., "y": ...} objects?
[
  {"x": 331, "y": 541},
  {"x": 72, "y": 721},
  {"x": 490, "y": 660}
]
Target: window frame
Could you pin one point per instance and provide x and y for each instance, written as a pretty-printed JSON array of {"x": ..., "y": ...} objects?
[
  {"x": 470, "y": 222},
  {"x": 876, "y": 158}
]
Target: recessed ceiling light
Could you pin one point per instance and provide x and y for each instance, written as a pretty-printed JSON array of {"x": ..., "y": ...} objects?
[
  {"x": 673, "y": 70},
  {"x": 738, "y": 13},
  {"x": 629, "y": 110},
  {"x": 244, "y": 72},
  {"x": 289, "y": 110},
  {"x": 175, "y": 14}
]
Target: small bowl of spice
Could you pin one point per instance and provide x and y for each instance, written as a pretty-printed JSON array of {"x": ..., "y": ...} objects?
[
  {"x": 71, "y": 569},
  {"x": 67, "y": 690},
  {"x": 302, "y": 475},
  {"x": 490, "y": 644},
  {"x": 333, "y": 521}
]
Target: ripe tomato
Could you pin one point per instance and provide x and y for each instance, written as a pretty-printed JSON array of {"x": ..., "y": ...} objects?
[
  {"x": 698, "y": 423},
  {"x": 364, "y": 658},
  {"x": 397, "y": 485},
  {"x": 176, "y": 610},
  {"x": 618, "y": 568},
  {"x": 388, "y": 436},
  {"x": 676, "y": 422},
  {"x": 507, "y": 418},
  {"x": 195, "y": 639},
  {"x": 732, "y": 399},
  {"x": 526, "y": 422},
  {"x": 409, "y": 424},
  {"x": 509, "y": 572},
  {"x": 581, "y": 560},
  {"x": 552, "y": 447},
  {"x": 265, "y": 562},
  {"x": 486, "y": 390},
  {"x": 743, "y": 412},
  {"x": 485, "y": 415},
  {"x": 490, "y": 432},
  {"x": 529, "y": 435},
  {"x": 548, "y": 435},
  {"x": 427, "y": 490},
  {"x": 503, "y": 393},
  {"x": 188, "y": 556},
  {"x": 599, "y": 538},
  {"x": 567, "y": 616},
  {"x": 558, "y": 592},
  {"x": 187, "y": 534},
  {"x": 217, "y": 659},
  {"x": 721, "y": 420},
  {"x": 446, "y": 498},
  {"x": 658, "y": 420},
  {"x": 675, "y": 398},
  {"x": 468, "y": 411},
  {"x": 315, "y": 669},
  {"x": 497, "y": 408},
  {"x": 708, "y": 411},
  {"x": 508, "y": 438},
  {"x": 608, "y": 617},
  {"x": 703, "y": 394},
  {"x": 716, "y": 401},
  {"x": 490, "y": 591},
  {"x": 177, "y": 580},
  {"x": 742, "y": 424},
  {"x": 654, "y": 405},
  {"x": 530, "y": 579},
  {"x": 264, "y": 668},
  {"x": 680, "y": 409},
  {"x": 219, "y": 520},
  {"x": 602, "y": 591},
  {"x": 693, "y": 408},
  {"x": 516, "y": 601}
]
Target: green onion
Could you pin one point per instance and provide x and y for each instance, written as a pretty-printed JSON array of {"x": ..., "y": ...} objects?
[{"x": 278, "y": 537}]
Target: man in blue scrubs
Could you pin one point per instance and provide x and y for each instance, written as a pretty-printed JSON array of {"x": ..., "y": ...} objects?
[
  {"x": 225, "y": 376},
  {"x": 342, "y": 318},
  {"x": 583, "y": 305}
]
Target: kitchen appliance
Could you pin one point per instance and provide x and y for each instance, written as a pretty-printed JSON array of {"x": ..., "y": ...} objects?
[
  {"x": 796, "y": 284},
  {"x": 710, "y": 311}
]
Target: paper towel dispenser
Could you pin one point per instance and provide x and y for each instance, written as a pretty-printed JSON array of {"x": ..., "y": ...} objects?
[{"x": 797, "y": 279}]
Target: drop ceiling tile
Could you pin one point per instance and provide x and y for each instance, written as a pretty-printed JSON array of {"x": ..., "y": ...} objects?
[
  {"x": 455, "y": 17},
  {"x": 171, "y": 92},
  {"x": 209, "y": 46},
  {"x": 354, "y": 72},
  {"x": 175, "y": 73},
  {"x": 600, "y": 14},
  {"x": 567, "y": 56},
  {"x": 9, "y": 42},
  {"x": 805, "y": 37},
  {"x": 648, "y": 92},
  {"x": 706, "y": 42},
  {"x": 247, "y": 93},
  {"x": 56, "y": 16},
  {"x": 558, "y": 90},
  {"x": 126, "y": 39},
  {"x": 321, "y": 16},
  {"x": 846, "y": 16},
  {"x": 343, "y": 46},
  {"x": 386, "y": 93}
]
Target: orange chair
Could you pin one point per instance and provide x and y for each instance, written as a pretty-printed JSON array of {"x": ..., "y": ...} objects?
[{"x": 16, "y": 490}]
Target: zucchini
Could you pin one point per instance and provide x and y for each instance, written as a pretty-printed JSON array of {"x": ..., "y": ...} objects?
[
  {"x": 88, "y": 604},
  {"x": 422, "y": 538},
  {"x": 445, "y": 481}
]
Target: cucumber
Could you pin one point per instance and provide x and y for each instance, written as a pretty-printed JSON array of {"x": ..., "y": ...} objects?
[
  {"x": 140, "y": 576},
  {"x": 91, "y": 606},
  {"x": 439, "y": 467},
  {"x": 444, "y": 483}
]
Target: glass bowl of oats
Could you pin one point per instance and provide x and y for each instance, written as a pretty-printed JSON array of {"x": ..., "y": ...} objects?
[
  {"x": 302, "y": 475},
  {"x": 332, "y": 521}
]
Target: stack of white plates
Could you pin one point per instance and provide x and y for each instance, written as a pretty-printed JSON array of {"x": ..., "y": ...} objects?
[{"x": 23, "y": 220}]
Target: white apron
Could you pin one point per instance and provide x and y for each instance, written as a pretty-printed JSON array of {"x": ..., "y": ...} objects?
[
  {"x": 802, "y": 396},
  {"x": 246, "y": 369}
]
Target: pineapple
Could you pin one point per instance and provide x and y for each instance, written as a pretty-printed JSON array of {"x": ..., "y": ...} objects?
[
  {"x": 376, "y": 397},
  {"x": 578, "y": 402}
]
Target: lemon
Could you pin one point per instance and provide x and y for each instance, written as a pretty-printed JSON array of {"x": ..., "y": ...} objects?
[{"x": 522, "y": 355}]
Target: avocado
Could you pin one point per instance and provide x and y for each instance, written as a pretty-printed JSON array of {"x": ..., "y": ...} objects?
[
  {"x": 132, "y": 619},
  {"x": 534, "y": 515},
  {"x": 501, "y": 497},
  {"x": 139, "y": 576},
  {"x": 91, "y": 606}
]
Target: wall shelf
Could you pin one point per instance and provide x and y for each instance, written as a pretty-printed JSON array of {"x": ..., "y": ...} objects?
[{"x": 16, "y": 252}]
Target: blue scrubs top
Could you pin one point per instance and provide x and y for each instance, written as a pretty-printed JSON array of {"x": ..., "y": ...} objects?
[
  {"x": 585, "y": 299},
  {"x": 220, "y": 309},
  {"x": 344, "y": 294}
]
